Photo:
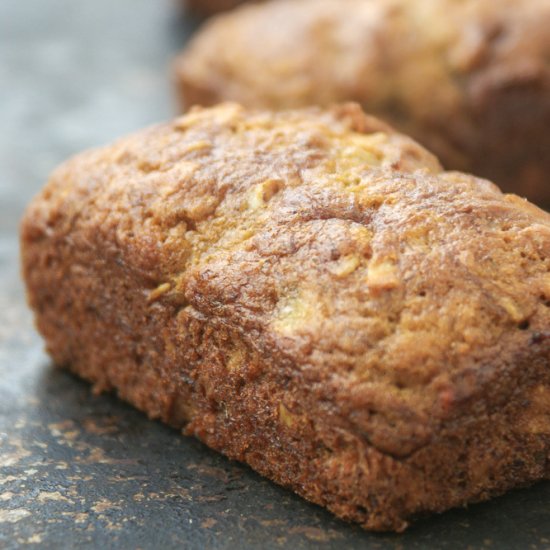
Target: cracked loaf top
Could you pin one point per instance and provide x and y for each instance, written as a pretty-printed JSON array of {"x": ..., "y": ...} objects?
[{"x": 414, "y": 297}]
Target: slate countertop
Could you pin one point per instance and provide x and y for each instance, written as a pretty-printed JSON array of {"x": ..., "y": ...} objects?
[{"x": 84, "y": 471}]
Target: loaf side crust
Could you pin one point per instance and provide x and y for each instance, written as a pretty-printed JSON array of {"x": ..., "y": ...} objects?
[{"x": 309, "y": 293}]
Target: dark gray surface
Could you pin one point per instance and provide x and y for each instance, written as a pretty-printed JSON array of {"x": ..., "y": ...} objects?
[{"x": 84, "y": 471}]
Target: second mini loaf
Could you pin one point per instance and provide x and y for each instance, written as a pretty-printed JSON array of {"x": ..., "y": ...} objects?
[{"x": 469, "y": 79}]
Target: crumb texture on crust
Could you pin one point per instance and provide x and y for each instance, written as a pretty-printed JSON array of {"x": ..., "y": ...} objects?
[
  {"x": 468, "y": 79},
  {"x": 308, "y": 292}
]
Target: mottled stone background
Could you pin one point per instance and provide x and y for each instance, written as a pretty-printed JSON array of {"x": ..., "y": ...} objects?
[{"x": 84, "y": 471}]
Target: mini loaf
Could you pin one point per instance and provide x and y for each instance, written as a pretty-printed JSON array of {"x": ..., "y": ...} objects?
[
  {"x": 307, "y": 292},
  {"x": 470, "y": 79}
]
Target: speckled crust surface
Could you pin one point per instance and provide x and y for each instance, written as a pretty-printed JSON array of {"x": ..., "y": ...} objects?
[
  {"x": 309, "y": 293},
  {"x": 468, "y": 79},
  {"x": 210, "y": 7}
]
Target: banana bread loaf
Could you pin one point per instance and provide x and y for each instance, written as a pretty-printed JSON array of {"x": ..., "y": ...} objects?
[
  {"x": 309, "y": 293},
  {"x": 470, "y": 79}
]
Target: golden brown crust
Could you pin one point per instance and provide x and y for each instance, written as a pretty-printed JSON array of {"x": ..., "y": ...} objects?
[
  {"x": 309, "y": 293},
  {"x": 470, "y": 79}
]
